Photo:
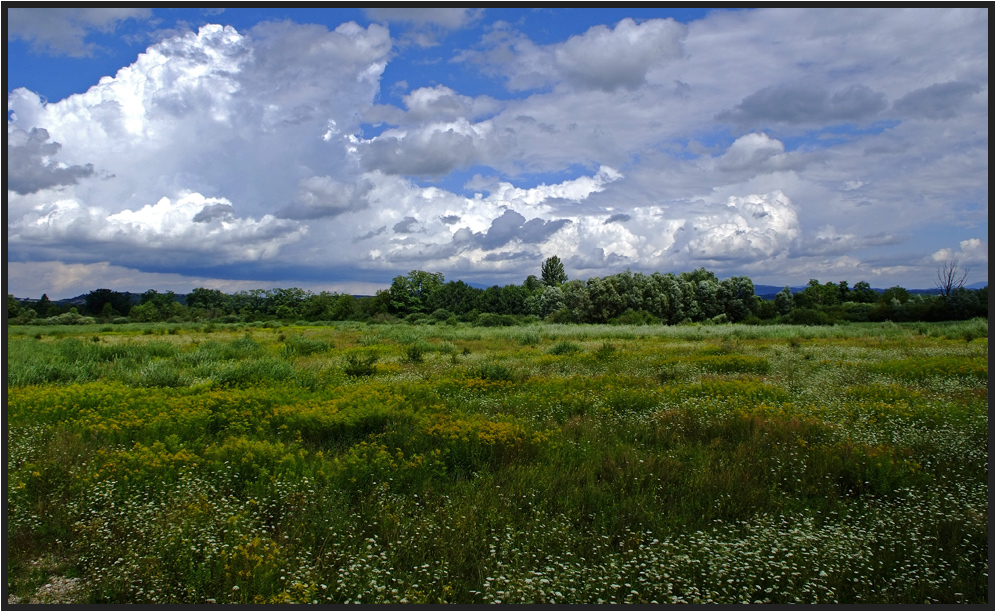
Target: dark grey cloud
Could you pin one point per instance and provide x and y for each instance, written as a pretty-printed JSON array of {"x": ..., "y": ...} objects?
[
  {"x": 214, "y": 211},
  {"x": 29, "y": 168},
  {"x": 513, "y": 226},
  {"x": 937, "y": 101},
  {"x": 831, "y": 243},
  {"x": 371, "y": 234},
  {"x": 798, "y": 104},
  {"x": 450, "y": 219},
  {"x": 408, "y": 225},
  {"x": 617, "y": 218},
  {"x": 511, "y": 256},
  {"x": 426, "y": 154},
  {"x": 321, "y": 196}
]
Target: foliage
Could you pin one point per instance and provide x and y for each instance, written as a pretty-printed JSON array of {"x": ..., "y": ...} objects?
[
  {"x": 357, "y": 365},
  {"x": 552, "y": 272}
]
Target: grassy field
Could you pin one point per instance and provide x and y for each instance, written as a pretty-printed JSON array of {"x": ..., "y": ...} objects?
[{"x": 544, "y": 463}]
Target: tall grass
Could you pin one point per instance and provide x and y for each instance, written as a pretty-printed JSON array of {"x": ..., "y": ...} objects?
[{"x": 452, "y": 464}]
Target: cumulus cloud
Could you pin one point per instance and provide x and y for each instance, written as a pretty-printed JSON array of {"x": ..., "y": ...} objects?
[
  {"x": 266, "y": 127},
  {"x": 426, "y": 24},
  {"x": 937, "y": 101},
  {"x": 30, "y": 167},
  {"x": 431, "y": 150},
  {"x": 802, "y": 104},
  {"x": 611, "y": 58},
  {"x": 756, "y": 226},
  {"x": 754, "y": 152},
  {"x": 322, "y": 196},
  {"x": 971, "y": 251},
  {"x": 214, "y": 112},
  {"x": 602, "y": 58},
  {"x": 63, "y": 30},
  {"x": 185, "y": 229},
  {"x": 440, "y": 103}
]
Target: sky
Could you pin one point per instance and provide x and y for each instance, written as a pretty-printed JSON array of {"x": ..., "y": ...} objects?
[{"x": 334, "y": 149}]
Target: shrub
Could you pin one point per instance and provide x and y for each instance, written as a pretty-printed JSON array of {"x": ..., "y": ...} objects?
[
  {"x": 807, "y": 316},
  {"x": 564, "y": 347},
  {"x": 606, "y": 351},
  {"x": 493, "y": 371},
  {"x": 441, "y": 314},
  {"x": 490, "y": 319},
  {"x": 417, "y": 318},
  {"x": 635, "y": 317},
  {"x": 415, "y": 353},
  {"x": 302, "y": 345},
  {"x": 357, "y": 365}
]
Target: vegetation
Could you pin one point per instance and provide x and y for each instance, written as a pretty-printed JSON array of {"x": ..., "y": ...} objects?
[
  {"x": 423, "y": 298},
  {"x": 169, "y": 463}
]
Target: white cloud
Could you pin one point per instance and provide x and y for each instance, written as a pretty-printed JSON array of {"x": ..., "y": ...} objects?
[
  {"x": 446, "y": 17},
  {"x": 611, "y": 58},
  {"x": 752, "y": 227},
  {"x": 602, "y": 58},
  {"x": 971, "y": 251},
  {"x": 201, "y": 119},
  {"x": 876, "y": 140},
  {"x": 63, "y": 30},
  {"x": 182, "y": 231},
  {"x": 441, "y": 103},
  {"x": 753, "y": 152}
]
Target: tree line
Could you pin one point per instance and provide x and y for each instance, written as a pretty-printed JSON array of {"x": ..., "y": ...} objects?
[{"x": 698, "y": 296}]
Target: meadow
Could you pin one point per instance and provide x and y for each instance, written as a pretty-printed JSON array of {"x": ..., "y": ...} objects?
[{"x": 546, "y": 463}]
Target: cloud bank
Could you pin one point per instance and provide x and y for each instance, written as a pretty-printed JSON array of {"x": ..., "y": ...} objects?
[{"x": 737, "y": 141}]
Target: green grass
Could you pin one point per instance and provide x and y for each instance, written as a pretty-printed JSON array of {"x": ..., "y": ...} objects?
[{"x": 550, "y": 463}]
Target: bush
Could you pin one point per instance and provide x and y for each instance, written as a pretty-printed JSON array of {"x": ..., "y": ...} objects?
[
  {"x": 490, "y": 319},
  {"x": 417, "y": 318},
  {"x": 807, "y": 316},
  {"x": 606, "y": 351},
  {"x": 564, "y": 347},
  {"x": 302, "y": 345},
  {"x": 635, "y": 317},
  {"x": 493, "y": 371},
  {"x": 441, "y": 314},
  {"x": 415, "y": 353},
  {"x": 357, "y": 365}
]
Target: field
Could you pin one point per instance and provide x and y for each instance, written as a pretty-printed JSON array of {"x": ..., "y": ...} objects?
[{"x": 542, "y": 463}]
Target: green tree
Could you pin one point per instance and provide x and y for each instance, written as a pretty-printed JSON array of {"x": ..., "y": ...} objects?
[
  {"x": 736, "y": 294},
  {"x": 155, "y": 306},
  {"x": 455, "y": 296},
  {"x": 863, "y": 293},
  {"x": 412, "y": 293},
  {"x": 98, "y": 298},
  {"x": 784, "y": 301},
  {"x": 553, "y": 273}
]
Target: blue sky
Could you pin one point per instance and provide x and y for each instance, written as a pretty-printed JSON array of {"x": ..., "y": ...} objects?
[{"x": 333, "y": 149}]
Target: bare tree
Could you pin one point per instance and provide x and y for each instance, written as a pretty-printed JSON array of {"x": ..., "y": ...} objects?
[{"x": 950, "y": 276}]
